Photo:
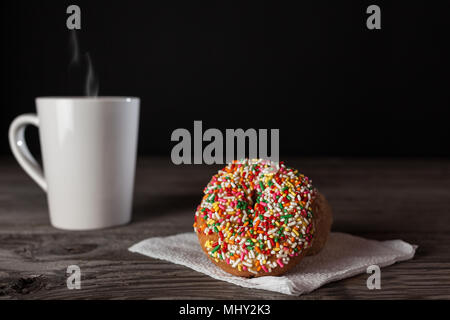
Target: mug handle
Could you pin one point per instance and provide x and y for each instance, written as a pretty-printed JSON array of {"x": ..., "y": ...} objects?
[{"x": 20, "y": 150}]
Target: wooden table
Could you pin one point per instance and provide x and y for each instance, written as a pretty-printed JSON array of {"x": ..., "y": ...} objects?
[{"x": 380, "y": 199}]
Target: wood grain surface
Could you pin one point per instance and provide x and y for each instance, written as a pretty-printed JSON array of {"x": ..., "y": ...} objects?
[{"x": 381, "y": 199}]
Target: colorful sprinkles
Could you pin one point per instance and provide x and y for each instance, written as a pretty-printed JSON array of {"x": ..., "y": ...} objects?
[{"x": 261, "y": 212}]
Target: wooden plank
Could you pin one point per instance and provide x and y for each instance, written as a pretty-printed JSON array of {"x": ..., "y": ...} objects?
[{"x": 375, "y": 198}]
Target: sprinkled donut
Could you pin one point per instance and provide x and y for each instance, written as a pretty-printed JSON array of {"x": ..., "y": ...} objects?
[{"x": 260, "y": 218}]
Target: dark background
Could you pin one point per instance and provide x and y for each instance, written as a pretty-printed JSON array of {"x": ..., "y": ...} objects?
[{"x": 315, "y": 71}]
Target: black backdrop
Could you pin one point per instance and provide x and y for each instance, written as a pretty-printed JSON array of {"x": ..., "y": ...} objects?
[{"x": 315, "y": 71}]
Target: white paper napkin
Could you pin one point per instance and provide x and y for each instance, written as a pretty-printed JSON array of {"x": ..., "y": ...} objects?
[{"x": 343, "y": 256}]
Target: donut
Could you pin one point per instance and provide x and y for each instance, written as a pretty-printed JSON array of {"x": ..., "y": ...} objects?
[{"x": 260, "y": 218}]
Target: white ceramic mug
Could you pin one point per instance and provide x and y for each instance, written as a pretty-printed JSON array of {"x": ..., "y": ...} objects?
[{"x": 89, "y": 157}]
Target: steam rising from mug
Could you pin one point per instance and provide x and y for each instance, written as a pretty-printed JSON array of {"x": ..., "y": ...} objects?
[
  {"x": 90, "y": 80},
  {"x": 91, "y": 88}
]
